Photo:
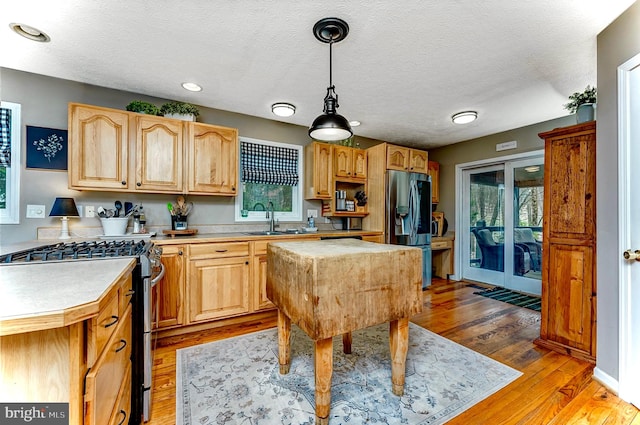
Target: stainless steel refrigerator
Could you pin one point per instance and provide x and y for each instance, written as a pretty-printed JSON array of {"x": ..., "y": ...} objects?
[{"x": 408, "y": 214}]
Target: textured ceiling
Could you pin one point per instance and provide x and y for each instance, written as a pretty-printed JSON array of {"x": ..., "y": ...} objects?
[{"x": 403, "y": 70}]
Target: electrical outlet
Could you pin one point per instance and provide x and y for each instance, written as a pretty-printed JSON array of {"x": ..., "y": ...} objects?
[
  {"x": 35, "y": 211},
  {"x": 90, "y": 211},
  {"x": 312, "y": 213}
]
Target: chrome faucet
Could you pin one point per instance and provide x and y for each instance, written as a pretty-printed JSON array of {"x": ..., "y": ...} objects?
[{"x": 270, "y": 216}]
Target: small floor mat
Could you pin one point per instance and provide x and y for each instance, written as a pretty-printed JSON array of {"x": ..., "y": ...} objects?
[{"x": 512, "y": 297}]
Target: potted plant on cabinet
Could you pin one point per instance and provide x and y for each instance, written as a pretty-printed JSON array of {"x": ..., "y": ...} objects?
[
  {"x": 180, "y": 110},
  {"x": 583, "y": 104},
  {"x": 143, "y": 107}
]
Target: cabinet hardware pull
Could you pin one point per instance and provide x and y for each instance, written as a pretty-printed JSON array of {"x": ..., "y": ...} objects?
[
  {"x": 115, "y": 320},
  {"x": 180, "y": 252},
  {"x": 138, "y": 184},
  {"x": 124, "y": 344},
  {"x": 130, "y": 293},
  {"x": 233, "y": 188},
  {"x": 123, "y": 182},
  {"x": 124, "y": 416},
  {"x": 221, "y": 250}
]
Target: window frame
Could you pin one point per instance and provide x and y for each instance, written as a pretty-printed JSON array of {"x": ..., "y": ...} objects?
[
  {"x": 297, "y": 198},
  {"x": 11, "y": 214}
]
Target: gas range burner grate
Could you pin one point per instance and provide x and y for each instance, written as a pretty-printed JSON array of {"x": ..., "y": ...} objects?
[{"x": 78, "y": 250}]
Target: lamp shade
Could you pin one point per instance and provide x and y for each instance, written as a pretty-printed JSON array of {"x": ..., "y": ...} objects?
[
  {"x": 64, "y": 207},
  {"x": 330, "y": 128}
]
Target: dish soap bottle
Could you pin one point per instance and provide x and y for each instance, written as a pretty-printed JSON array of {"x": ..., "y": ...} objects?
[{"x": 311, "y": 222}]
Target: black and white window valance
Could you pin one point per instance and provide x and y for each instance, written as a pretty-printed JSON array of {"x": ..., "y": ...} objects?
[
  {"x": 268, "y": 164},
  {"x": 5, "y": 137}
]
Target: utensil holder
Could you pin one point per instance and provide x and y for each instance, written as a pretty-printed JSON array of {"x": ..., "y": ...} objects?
[{"x": 178, "y": 222}]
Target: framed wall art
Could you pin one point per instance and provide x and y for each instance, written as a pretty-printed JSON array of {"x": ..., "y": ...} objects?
[{"x": 46, "y": 148}]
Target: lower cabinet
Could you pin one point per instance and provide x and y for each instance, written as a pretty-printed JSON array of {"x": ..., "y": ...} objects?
[
  {"x": 169, "y": 291},
  {"x": 218, "y": 280}
]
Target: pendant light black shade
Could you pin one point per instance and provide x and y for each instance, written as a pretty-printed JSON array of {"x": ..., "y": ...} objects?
[{"x": 330, "y": 126}]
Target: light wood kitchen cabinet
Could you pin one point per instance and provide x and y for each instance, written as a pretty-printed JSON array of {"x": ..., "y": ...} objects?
[
  {"x": 318, "y": 170},
  {"x": 259, "y": 271},
  {"x": 115, "y": 150},
  {"x": 568, "y": 315},
  {"x": 218, "y": 280},
  {"x": 159, "y": 150},
  {"x": 169, "y": 291},
  {"x": 434, "y": 172},
  {"x": 349, "y": 162},
  {"x": 406, "y": 159},
  {"x": 212, "y": 159},
  {"x": 98, "y": 148}
]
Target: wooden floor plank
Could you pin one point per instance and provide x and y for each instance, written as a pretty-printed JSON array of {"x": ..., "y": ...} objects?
[{"x": 554, "y": 389}]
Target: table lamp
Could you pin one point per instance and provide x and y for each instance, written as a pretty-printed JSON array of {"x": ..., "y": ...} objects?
[{"x": 64, "y": 207}]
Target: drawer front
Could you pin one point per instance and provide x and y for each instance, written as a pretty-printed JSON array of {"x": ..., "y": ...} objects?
[
  {"x": 106, "y": 377},
  {"x": 441, "y": 245},
  {"x": 122, "y": 413},
  {"x": 218, "y": 250},
  {"x": 103, "y": 326},
  {"x": 125, "y": 293}
]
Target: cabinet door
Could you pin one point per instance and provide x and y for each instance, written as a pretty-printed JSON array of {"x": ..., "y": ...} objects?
[
  {"x": 397, "y": 158},
  {"x": 98, "y": 148},
  {"x": 419, "y": 161},
  {"x": 318, "y": 164},
  {"x": 169, "y": 291},
  {"x": 342, "y": 161},
  {"x": 218, "y": 288},
  {"x": 434, "y": 172},
  {"x": 261, "y": 301},
  {"x": 158, "y": 154},
  {"x": 213, "y": 159},
  {"x": 360, "y": 163}
]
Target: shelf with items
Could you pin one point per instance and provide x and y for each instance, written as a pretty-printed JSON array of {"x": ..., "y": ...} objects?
[{"x": 349, "y": 189}]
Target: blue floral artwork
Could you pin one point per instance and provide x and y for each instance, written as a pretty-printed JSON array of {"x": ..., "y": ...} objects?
[{"x": 46, "y": 148}]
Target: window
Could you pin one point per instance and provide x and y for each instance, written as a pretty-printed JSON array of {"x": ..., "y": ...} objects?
[
  {"x": 269, "y": 172},
  {"x": 9, "y": 163}
]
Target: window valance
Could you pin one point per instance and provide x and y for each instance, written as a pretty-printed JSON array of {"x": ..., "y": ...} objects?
[{"x": 268, "y": 164}]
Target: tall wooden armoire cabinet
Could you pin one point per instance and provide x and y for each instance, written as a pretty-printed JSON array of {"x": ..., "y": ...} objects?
[{"x": 568, "y": 316}]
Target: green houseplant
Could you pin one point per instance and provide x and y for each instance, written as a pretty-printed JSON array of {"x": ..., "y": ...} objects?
[
  {"x": 143, "y": 107},
  {"x": 583, "y": 104},
  {"x": 179, "y": 110}
]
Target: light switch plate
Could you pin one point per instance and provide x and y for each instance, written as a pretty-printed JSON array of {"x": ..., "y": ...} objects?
[
  {"x": 312, "y": 213},
  {"x": 35, "y": 211}
]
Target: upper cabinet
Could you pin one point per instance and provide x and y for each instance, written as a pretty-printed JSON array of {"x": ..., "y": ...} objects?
[
  {"x": 318, "y": 175},
  {"x": 434, "y": 172},
  {"x": 125, "y": 151},
  {"x": 206, "y": 173},
  {"x": 406, "y": 159},
  {"x": 98, "y": 148},
  {"x": 350, "y": 163}
]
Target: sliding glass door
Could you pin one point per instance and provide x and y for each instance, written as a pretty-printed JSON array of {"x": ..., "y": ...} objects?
[{"x": 502, "y": 215}]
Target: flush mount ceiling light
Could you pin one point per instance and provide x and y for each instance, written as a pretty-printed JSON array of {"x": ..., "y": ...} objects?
[
  {"x": 283, "y": 109},
  {"x": 191, "y": 87},
  {"x": 30, "y": 32},
  {"x": 330, "y": 126},
  {"x": 464, "y": 117}
]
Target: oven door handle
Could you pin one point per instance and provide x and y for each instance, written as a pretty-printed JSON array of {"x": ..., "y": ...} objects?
[{"x": 159, "y": 276}]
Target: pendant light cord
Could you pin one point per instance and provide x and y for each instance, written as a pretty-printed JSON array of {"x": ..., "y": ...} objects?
[{"x": 331, "y": 63}]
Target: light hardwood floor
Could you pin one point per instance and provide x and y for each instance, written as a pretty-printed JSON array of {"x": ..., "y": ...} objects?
[{"x": 554, "y": 389}]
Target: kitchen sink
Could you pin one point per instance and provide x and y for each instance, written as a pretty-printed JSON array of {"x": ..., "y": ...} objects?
[{"x": 275, "y": 232}]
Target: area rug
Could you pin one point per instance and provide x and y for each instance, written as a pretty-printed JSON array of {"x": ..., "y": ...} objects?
[
  {"x": 237, "y": 380},
  {"x": 512, "y": 297}
]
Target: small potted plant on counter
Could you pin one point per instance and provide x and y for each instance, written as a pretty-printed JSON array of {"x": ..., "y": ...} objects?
[
  {"x": 583, "y": 104},
  {"x": 180, "y": 110},
  {"x": 143, "y": 107}
]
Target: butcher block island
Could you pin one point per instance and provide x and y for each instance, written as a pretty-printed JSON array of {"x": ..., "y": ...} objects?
[{"x": 334, "y": 287}]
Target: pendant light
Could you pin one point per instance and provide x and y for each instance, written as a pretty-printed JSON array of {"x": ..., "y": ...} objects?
[{"x": 330, "y": 126}]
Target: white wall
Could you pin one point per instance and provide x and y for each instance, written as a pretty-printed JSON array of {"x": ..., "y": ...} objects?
[{"x": 616, "y": 44}]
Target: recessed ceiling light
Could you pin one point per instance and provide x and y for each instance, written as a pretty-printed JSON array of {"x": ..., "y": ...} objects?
[
  {"x": 354, "y": 123},
  {"x": 30, "y": 32},
  {"x": 283, "y": 109},
  {"x": 464, "y": 117},
  {"x": 191, "y": 87}
]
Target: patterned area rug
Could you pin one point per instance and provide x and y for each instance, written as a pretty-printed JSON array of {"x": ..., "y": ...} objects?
[
  {"x": 237, "y": 380},
  {"x": 512, "y": 297}
]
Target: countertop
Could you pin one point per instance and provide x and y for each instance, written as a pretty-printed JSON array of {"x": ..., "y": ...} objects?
[{"x": 38, "y": 296}]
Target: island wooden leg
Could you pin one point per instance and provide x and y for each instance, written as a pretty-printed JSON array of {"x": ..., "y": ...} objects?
[
  {"x": 399, "y": 344},
  {"x": 346, "y": 343},
  {"x": 324, "y": 370},
  {"x": 284, "y": 340}
]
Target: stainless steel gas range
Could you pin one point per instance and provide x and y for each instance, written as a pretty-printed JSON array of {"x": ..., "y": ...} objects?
[{"x": 148, "y": 271}]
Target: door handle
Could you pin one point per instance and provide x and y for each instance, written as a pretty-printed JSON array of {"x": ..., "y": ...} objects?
[{"x": 629, "y": 255}]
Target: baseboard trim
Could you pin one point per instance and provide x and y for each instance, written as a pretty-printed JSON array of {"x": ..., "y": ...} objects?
[{"x": 606, "y": 380}]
